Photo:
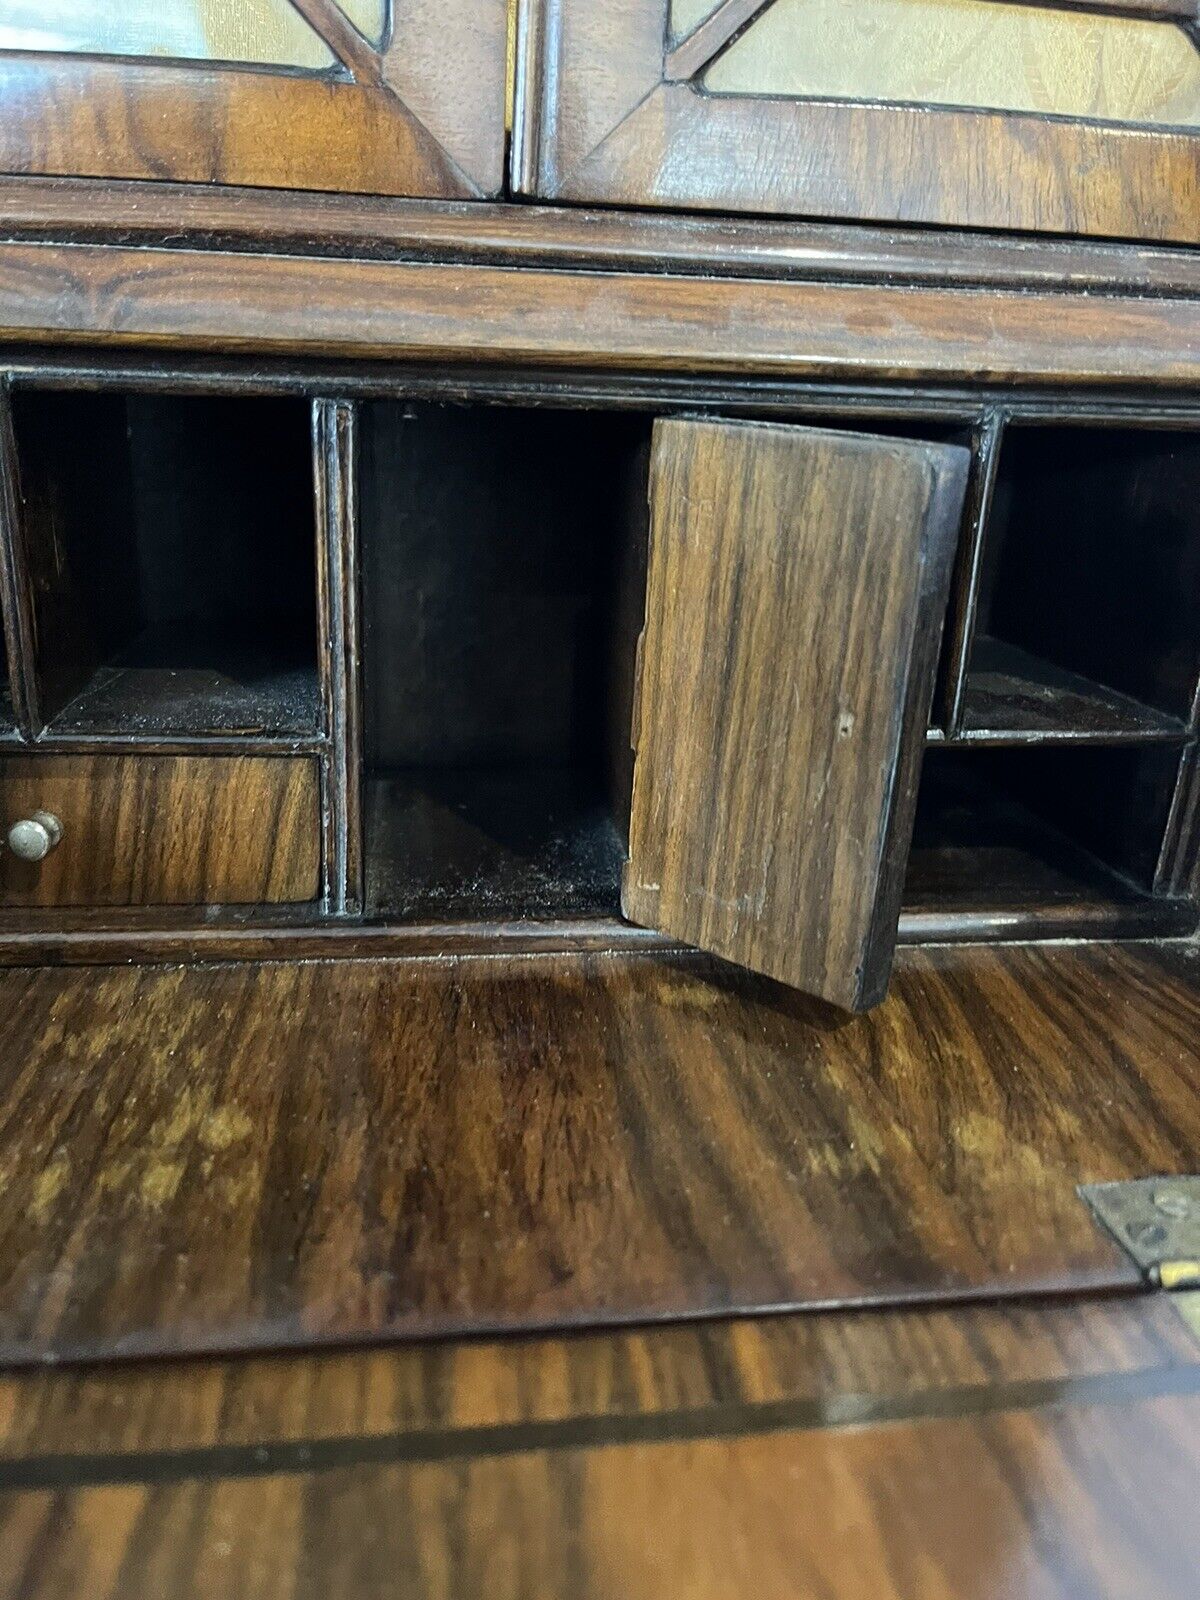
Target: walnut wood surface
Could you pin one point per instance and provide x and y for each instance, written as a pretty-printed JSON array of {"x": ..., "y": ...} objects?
[
  {"x": 831, "y": 1367},
  {"x": 424, "y": 117},
  {"x": 1016, "y": 1452},
  {"x": 289, "y": 1153},
  {"x": 165, "y": 830},
  {"x": 1099, "y": 1496},
  {"x": 266, "y": 304},
  {"x": 598, "y": 122},
  {"x": 972, "y": 169},
  {"x": 78, "y": 210},
  {"x": 796, "y": 583}
]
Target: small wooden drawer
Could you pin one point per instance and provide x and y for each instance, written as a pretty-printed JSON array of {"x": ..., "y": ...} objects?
[{"x": 164, "y": 830}]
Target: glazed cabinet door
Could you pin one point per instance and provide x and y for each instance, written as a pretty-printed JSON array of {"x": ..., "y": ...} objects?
[
  {"x": 1069, "y": 116},
  {"x": 797, "y": 581},
  {"x": 402, "y": 97}
]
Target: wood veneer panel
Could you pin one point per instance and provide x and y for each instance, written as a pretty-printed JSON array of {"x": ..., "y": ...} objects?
[
  {"x": 212, "y": 1158},
  {"x": 210, "y": 300},
  {"x": 471, "y": 1396},
  {"x": 203, "y": 125},
  {"x": 165, "y": 830},
  {"x": 796, "y": 582},
  {"x": 822, "y": 158},
  {"x": 1019, "y": 1491}
]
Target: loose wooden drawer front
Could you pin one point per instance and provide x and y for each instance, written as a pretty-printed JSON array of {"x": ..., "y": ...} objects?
[{"x": 164, "y": 830}]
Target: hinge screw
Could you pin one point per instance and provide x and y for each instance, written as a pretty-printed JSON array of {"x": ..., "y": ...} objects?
[{"x": 1172, "y": 1205}]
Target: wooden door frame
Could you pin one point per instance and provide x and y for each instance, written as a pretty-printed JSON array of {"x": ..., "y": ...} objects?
[
  {"x": 610, "y": 110},
  {"x": 421, "y": 116}
]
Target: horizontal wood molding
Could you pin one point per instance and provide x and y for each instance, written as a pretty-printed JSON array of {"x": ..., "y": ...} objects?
[
  {"x": 80, "y": 938},
  {"x": 122, "y": 297},
  {"x": 81, "y": 210}
]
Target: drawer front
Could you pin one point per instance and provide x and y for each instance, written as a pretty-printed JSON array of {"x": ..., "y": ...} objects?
[
  {"x": 1060, "y": 116},
  {"x": 163, "y": 830}
]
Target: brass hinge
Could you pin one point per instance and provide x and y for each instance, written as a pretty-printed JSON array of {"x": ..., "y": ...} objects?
[{"x": 1156, "y": 1221}]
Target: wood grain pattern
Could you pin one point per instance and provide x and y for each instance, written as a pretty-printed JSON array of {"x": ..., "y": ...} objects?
[
  {"x": 366, "y": 227},
  {"x": 1019, "y": 1490},
  {"x": 263, "y": 305},
  {"x": 826, "y": 1368},
  {"x": 294, "y": 1153},
  {"x": 116, "y": 118},
  {"x": 673, "y": 145},
  {"x": 448, "y": 64},
  {"x": 973, "y": 169},
  {"x": 165, "y": 830},
  {"x": 797, "y": 580}
]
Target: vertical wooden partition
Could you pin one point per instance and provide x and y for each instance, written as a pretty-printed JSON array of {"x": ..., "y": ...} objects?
[{"x": 335, "y": 454}]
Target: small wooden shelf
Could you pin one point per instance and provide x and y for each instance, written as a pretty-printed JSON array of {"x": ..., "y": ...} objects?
[
  {"x": 985, "y": 862},
  {"x": 1025, "y": 880},
  {"x": 172, "y": 555},
  {"x": 490, "y": 846},
  {"x": 171, "y": 684},
  {"x": 1013, "y": 696}
]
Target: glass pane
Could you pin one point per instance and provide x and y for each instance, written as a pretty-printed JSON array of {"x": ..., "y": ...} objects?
[
  {"x": 689, "y": 14},
  {"x": 370, "y": 17},
  {"x": 968, "y": 53},
  {"x": 266, "y": 32}
]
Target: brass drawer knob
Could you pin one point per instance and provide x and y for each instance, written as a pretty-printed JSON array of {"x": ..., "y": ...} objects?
[{"x": 33, "y": 837}]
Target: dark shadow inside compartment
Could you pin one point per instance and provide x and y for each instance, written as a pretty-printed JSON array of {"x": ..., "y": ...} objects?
[
  {"x": 6, "y": 699},
  {"x": 1090, "y": 586},
  {"x": 503, "y": 583},
  {"x": 171, "y": 542},
  {"x": 1041, "y": 830}
]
